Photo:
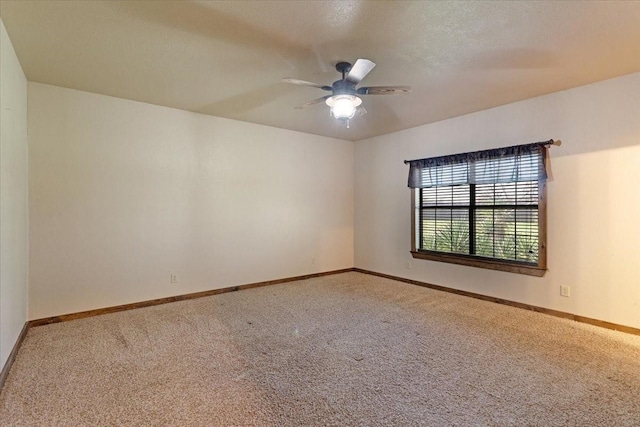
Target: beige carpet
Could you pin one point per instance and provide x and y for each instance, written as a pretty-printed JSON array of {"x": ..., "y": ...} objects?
[{"x": 349, "y": 349}]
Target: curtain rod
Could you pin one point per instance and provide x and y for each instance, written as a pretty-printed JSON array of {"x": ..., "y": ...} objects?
[{"x": 549, "y": 142}]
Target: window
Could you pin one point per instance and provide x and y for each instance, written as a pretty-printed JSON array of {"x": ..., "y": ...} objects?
[{"x": 484, "y": 209}]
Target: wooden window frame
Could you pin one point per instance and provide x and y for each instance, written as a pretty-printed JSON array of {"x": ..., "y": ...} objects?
[{"x": 490, "y": 263}]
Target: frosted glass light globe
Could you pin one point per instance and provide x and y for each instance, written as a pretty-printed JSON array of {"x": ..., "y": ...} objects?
[{"x": 343, "y": 106}]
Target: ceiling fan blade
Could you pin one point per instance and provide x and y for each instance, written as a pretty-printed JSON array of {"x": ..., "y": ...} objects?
[
  {"x": 305, "y": 83},
  {"x": 313, "y": 102},
  {"x": 384, "y": 90},
  {"x": 359, "y": 71}
]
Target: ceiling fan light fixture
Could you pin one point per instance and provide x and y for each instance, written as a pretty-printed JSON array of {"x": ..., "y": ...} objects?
[
  {"x": 343, "y": 106},
  {"x": 344, "y": 102}
]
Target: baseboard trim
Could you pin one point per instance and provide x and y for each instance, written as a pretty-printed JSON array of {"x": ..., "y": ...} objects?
[
  {"x": 158, "y": 301},
  {"x": 149, "y": 303},
  {"x": 12, "y": 356},
  {"x": 555, "y": 313}
]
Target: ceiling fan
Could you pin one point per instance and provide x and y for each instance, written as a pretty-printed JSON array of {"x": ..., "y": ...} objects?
[{"x": 345, "y": 101}]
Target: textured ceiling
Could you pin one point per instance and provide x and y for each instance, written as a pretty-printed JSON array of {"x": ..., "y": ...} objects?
[{"x": 227, "y": 58}]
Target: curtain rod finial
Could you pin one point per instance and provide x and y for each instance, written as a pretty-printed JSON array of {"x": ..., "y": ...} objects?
[{"x": 556, "y": 142}]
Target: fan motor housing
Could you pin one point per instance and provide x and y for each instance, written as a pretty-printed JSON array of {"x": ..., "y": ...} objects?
[{"x": 341, "y": 87}]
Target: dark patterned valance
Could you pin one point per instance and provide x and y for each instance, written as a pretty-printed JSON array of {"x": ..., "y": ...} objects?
[{"x": 509, "y": 164}]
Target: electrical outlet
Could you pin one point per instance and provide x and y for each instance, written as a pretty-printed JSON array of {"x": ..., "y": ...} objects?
[
  {"x": 313, "y": 261},
  {"x": 565, "y": 291},
  {"x": 174, "y": 278},
  {"x": 408, "y": 265}
]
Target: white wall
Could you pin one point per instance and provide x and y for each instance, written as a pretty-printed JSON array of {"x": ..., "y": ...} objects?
[
  {"x": 13, "y": 197},
  {"x": 122, "y": 194},
  {"x": 593, "y": 209}
]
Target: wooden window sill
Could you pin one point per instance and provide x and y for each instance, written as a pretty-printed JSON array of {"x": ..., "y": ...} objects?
[{"x": 471, "y": 261}]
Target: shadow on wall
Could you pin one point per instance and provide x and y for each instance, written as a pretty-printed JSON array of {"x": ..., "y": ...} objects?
[{"x": 600, "y": 123}]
